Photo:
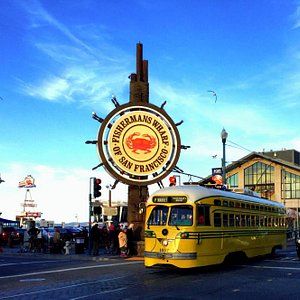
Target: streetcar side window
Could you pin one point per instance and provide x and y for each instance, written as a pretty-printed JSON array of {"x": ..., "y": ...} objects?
[
  {"x": 225, "y": 220},
  {"x": 203, "y": 215},
  {"x": 231, "y": 220},
  {"x": 237, "y": 221},
  {"x": 217, "y": 220}
]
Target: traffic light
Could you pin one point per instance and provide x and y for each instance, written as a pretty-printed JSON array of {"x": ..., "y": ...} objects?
[
  {"x": 97, "y": 187},
  {"x": 97, "y": 210},
  {"x": 172, "y": 180}
]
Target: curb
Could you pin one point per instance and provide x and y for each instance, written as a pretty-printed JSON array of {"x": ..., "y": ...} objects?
[{"x": 84, "y": 256}]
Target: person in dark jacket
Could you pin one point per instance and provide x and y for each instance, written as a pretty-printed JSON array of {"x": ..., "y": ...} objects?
[
  {"x": 130, "y": 238},
  {"x": 95, "y": 235}
]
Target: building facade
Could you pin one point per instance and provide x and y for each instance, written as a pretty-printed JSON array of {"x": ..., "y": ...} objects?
[{"x": 274, "y": 175}]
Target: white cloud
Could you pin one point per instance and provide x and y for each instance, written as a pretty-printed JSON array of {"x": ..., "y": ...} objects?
[
  {"x": 296, "y": 18},
  {"x": 55, "y": 89}
]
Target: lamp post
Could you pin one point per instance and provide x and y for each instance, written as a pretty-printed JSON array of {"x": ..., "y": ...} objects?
[
  {"x": 224, "y": 136},
  {"x": 109, "y": 187}
]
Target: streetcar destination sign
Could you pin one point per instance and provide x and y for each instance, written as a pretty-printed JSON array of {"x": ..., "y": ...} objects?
[{"x": 170, "y": 199}]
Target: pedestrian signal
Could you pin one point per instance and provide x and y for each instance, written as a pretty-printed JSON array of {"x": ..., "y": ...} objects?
[
  {"x": 97, "y": 210},
  {"x": 172, "y": 180},
  {"x": 97, "y": 187}
]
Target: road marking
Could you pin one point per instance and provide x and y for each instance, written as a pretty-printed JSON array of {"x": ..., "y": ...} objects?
[
  {"x": 281, "y": 261},
  {"x": 71, "y": 269},
  {"x": 63, "y": 287},
  {"x": 32, "y": 280},
  {"x": 28, "y": 263},
  {"x": 269, "y": 267},
  {"x": 100, "y": 293}
]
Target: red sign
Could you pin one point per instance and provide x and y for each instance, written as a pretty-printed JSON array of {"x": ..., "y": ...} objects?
[
  {"x": 33, "y": 214},
  {"x": 28, "y": 182}
]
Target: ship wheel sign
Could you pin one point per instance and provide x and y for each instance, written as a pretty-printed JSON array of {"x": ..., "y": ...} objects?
[{"x": 138, "y": 144}]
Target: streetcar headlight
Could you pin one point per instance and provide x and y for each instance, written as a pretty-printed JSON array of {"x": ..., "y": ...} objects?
[
  {"x": 298, "y": 241},
  {"x": 165, "y": 242}
]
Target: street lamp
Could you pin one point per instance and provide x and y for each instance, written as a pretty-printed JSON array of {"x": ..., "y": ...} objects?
[
  {"x": 224, "y": 136},
  {"x": 109, "y": 187}
]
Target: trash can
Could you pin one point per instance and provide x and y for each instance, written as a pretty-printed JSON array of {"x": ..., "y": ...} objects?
[{"x": 79, "y": 245}]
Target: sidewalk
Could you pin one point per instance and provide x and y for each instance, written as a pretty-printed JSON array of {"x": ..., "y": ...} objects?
[{"x": 73, "y": 256}]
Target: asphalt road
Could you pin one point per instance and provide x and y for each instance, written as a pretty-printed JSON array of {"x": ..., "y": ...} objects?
[{"x": 40, "y": 277}]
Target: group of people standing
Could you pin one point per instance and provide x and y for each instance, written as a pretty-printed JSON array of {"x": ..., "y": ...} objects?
[{"x": 115, "y": 239}]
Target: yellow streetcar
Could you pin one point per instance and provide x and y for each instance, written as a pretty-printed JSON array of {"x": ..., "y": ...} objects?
[{"x": 191, "y": 226}]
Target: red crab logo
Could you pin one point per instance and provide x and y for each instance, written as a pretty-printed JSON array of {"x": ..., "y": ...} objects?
[{"x": 146, "y": 143}]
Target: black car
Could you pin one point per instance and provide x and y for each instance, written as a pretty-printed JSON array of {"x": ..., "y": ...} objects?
[
  {"x": 10, "y": 236},
  {"x": 71, "y": 233}
]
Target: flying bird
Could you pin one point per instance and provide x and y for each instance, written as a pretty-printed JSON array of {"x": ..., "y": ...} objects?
[
  {"x": 214, "y": 156},
  {"x": 214, "y": 94}
]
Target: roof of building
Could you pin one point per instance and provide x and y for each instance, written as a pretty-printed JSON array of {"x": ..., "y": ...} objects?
[{"x": 252, "y": 155}]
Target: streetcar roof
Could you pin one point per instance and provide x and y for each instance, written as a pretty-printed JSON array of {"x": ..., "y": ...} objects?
[{"x": 196, "y": 192}]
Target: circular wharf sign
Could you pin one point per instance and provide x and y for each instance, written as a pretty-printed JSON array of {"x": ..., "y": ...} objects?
[{"x": 138, "y": 144}]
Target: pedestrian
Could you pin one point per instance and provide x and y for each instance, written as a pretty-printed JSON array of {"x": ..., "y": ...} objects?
[
  {"x": 123, "y": 242},
  {"x": 130, "y": 238},
  {"x": 105, "y": 237},
  {"x": 33, "y": 234},
  {"x": 57, "y": 242},
  {"x": 113, "y": 237},
  {"x": 95, "y": 236}
]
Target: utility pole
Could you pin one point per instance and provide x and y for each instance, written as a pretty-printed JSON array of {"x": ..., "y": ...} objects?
[{"x": 90, "y": 213}]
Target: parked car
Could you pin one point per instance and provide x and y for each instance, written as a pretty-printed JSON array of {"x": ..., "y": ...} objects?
[
  {"x": 10, "y": 236},
  {"x": 47, "y": 234},
  {"x": 20, "y": 234},
  {"x": 71, "y": 233}
]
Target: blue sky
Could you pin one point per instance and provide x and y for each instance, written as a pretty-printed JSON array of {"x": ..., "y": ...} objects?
[{"x": 62, "y": 60}]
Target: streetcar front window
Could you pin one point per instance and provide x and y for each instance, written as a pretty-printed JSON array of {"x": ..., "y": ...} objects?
[
  {"x": 181, "y": 215},
  {"x": 158, "y": 216}
]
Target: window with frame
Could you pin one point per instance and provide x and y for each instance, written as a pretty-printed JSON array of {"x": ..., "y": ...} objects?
[
  {"x": 290, "y": 185},
  {"x": 237, "y": 220},
  {"x": 232, "y": 181},
  {"x": 217, "y": 219},
  {"x": 243, "y": 220},
  {"x": 225, "y": 220},
  {"x": 158, "y": 216},
  {"x": 231, "y": 220},
  {"x": 203, "y": 215},
  {"x": 181, "y": 215},
  {"x": 259, "y": 177}
]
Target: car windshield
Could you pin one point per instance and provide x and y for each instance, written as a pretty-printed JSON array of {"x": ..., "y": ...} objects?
[
  {"x": 158, "y": 215},
  {"x": 181, "y": 215}
]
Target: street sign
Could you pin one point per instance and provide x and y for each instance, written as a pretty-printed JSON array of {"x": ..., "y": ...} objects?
[
  {"x": 110, "y": 211},
  {"x": 216, "y": 171}
]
